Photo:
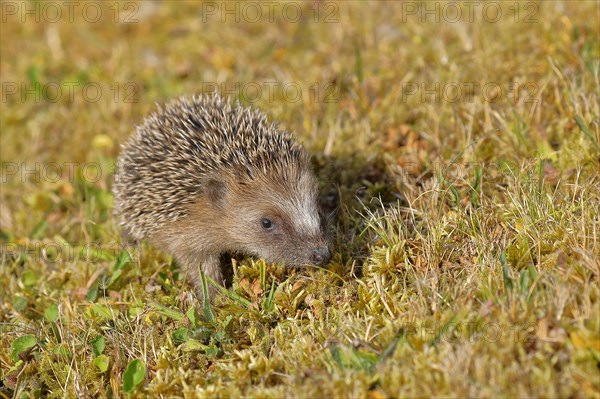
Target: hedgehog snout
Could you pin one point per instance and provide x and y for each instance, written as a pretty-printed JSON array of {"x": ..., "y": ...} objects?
[{"x": 320, "y": 256}]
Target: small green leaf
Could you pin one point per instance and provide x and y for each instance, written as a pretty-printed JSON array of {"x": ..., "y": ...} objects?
[
  {"x": 363, "y": 360},
  {"x": 92, "y": 293},
  {"x": 133, "y": 375},
  {"x": 101, "y": 362},
  {"x": 51, "y": 313},
  {"x": 474, "y": 194},
  {"x": 524, "y": 281},
  {"x": 105, "y": 199},
  {"x": 170, "y": 313},
  {"x": 192, "y": 345},
  {"x": 191, "y": 315},
  {"x": 352, "y": 358},
  {"x": 227, "y": 325},
  {"x": 206, "y": 306},
  {"x": 212, "y": 352},
  {"x": 230, "y": 294},
  {"x": 19, "y": 302},
  {"x": 94, "y": 253},
  {"x": 32, "y": 74},
  {"x": 98, "y": 345},
  {"x": 62, "y": 350},
  {"x": 98, "y": 311},
  {"x": 39, "y": 229},
  {"x": 269, "y": 300},
  {"x": 122, "y": 260},
  {"x": 22, "y": 344},
  {"x": 584, "y": 128},
  {"x": 180, "y": 336},
  {"x": 532, "y": 272},
  {"x": 135, "y": 311},
  {"x": 115, "y": 276},
  {"x": 29, "y": 278}
]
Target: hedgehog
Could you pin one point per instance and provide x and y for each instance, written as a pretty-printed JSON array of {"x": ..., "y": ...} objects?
[{"x": 203, "y": 177}]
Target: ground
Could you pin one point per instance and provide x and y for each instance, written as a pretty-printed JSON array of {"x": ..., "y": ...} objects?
[{"x": 457, "y": 147}]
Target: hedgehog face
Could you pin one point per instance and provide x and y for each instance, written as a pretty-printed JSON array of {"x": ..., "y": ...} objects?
[{"x": 279, "y": 220}]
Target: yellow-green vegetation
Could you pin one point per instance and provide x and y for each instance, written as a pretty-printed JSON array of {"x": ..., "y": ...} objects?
[{"x": 462, "y": 156}]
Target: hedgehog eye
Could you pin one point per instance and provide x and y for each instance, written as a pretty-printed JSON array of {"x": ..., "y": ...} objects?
[{"x": 266, "y": 223}]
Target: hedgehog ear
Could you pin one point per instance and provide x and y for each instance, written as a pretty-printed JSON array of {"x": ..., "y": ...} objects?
[{"x": 215, "y": 190}]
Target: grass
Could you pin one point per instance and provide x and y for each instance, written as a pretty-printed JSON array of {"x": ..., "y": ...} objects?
[{"x": 467, "y": 244}]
